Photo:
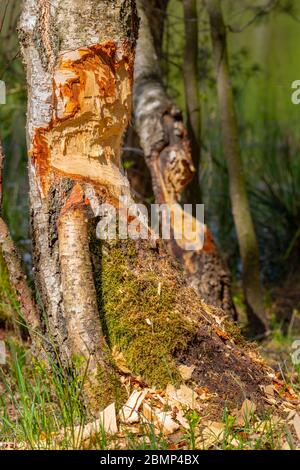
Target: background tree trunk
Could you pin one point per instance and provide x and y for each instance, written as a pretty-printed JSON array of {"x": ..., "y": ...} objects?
[
  {"x": 192, "y": 96},
  {"x": 167, "y": 150},
  {"x": 237, "y": 184}
]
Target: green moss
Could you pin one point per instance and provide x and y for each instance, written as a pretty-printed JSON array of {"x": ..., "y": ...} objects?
[
  {"x": 110, "y": 389},
  {"x": 234, "y": 331},
  {"x": 140, "y": 312},
  {"x": 101, "y": 387}
]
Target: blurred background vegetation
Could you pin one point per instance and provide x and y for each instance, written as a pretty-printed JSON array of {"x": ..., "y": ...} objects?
[{"x": 265, "y": 59}]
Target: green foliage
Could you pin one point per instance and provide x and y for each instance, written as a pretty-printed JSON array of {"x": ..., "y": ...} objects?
[
  {"x": 193, "y": 420},
  {"x": 264, "y": 62}
]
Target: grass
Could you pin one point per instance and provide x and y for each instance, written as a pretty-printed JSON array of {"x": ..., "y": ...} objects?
[
  {"x": 42, "y": 409},
  {"x": 38, "y": 403}
]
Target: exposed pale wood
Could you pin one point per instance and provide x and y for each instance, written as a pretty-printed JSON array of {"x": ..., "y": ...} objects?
[{"x": 184, "y": 396}]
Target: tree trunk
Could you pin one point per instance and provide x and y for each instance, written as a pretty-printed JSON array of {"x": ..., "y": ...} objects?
[
  {"x": 78, "y": 106},
  {"x": 167, "y": 150},
  {"x": 192, "y": 97},
  {"x": 79, "y": 73},
  {"x": 238, "y": 194},
  {"x": 14, "y": 268}
]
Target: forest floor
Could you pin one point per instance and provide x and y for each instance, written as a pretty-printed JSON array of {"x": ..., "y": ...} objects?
[
  {"x": 39, "y": 410},
  {"x": 42, "y": 409}
]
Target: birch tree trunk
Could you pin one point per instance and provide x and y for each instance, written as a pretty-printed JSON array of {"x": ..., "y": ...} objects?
[
  {"x": 167, "y": 150},
  {"x": 247, "y": 240},
  {"x": 79, "y": 57}
]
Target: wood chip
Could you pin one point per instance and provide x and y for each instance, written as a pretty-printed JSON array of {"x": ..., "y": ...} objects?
[
  {"x": 287, "y": 406},
  {"x": 221, "y": 333},
  {"x": 161, "y": 420},
  {"x": 235, "y": 442},
  {"x": 182, "y": 420},
  {"x": 186, "y": 371},
  {"x": 285, "y": 446},
  {"x": 245, "y": 414},
  {"x": 291, "y": 415},
  {"x": 106, "y": 421},
  {"x": 268, "y": 390},
  {"x": 185, "y": 396},
  {"x": 212, "y": 433},
  {"x": 271, "y": 401},
  {"x": 129, "y": 412}
]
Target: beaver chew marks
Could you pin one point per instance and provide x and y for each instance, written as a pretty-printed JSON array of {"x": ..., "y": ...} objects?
[{"x": 91, "y": 102}]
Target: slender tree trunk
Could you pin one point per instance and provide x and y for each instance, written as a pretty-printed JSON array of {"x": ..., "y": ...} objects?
[
  {"x": 79, "y": 92},
  {"x": 167, "y": 150},
  {"x": 192, "y": 97},
  {"x": 237, "y": 184},
  {"x": 15, "y": 272}
]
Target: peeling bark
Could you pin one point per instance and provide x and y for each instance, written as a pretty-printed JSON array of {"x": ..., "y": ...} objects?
[{"x": 167, "y": 150}]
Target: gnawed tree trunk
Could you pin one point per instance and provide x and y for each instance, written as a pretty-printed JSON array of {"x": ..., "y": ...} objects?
[
  {"x": 247, "y": 240},
  {"x": 167, "y": 151},
  {"x": 79, "y": 60},
  {"x": 79, "y": 57}
]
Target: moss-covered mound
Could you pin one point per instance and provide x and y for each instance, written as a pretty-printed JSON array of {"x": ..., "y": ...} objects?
[{"x": 158, "y": 322}]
